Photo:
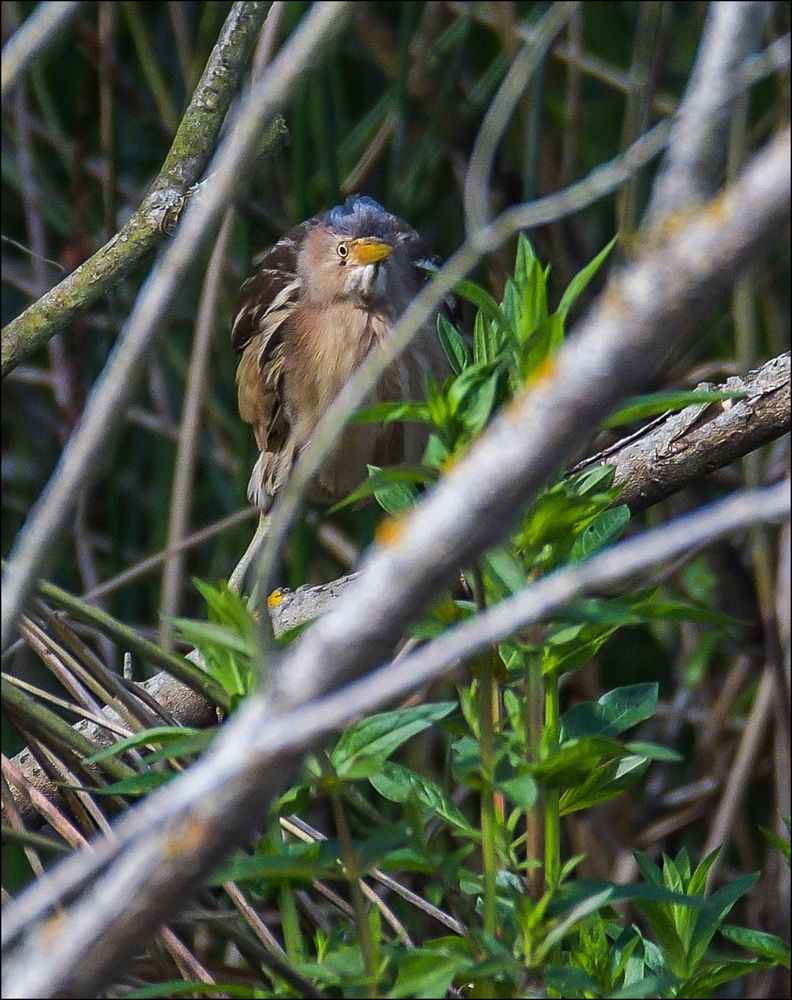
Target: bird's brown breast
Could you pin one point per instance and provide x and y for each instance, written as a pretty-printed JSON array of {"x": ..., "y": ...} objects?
[{"x": 322, "y": 350}]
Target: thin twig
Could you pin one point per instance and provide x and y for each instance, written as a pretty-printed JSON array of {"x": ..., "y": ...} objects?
[
  {"x": 190, "y": 430},
  {"x": 496, "y": 120}
]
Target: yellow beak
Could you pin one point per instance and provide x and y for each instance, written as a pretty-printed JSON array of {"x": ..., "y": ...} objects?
[{"x": 367, "y": 250}]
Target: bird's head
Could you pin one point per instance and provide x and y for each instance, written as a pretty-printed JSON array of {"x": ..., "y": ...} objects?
[{"x": 352, "y": 253}]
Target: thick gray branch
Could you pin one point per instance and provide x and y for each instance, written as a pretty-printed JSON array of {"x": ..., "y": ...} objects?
[
  {"x": 684, "y": 447},
  {"x": 187, "y": 706}
]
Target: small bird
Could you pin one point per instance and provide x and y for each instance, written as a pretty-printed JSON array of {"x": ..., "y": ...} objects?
[{"x": 316, "y": 304}]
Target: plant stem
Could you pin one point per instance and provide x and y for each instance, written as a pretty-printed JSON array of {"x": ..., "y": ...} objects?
[
  {"x": 487, "y": 694},
  {"x": 534, "y": 819},
  {"x": 353, "y": 873},
  {"x": 489, "y": 717},
  {"x": 552, "y": 821}
]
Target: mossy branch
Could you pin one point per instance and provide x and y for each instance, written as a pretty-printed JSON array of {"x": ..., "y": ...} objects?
[{"x": 157, "y": 215}]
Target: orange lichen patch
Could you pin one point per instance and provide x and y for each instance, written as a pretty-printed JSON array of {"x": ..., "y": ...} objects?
[
  {"x": 389, "y": 531},
  {"x": 543, "y": 371},
  {"x": 451, "y": 460},
  {"x": 53, "y": 928},
  {"x": 190, "y": 837},
  {"x": 513, "y": 410},
  {"x": 275, "y": 598}
]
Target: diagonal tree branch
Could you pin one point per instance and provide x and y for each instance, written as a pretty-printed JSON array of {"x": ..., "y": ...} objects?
[
  {"x": 147, "y": 227},
  {"x": 697, "y": 147},
  {"x": 684, "y": 447}
]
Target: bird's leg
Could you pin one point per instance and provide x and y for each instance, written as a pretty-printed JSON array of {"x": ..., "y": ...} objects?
[{"x": 236, "y": 581}]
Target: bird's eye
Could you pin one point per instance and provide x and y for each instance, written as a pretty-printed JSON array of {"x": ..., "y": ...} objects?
[{"x": 342, "y": 250}]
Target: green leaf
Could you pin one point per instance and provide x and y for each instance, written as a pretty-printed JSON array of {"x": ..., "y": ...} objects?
[
  {"x": 394, "y": 499},
  {"x": 177, "y": 987},
  {"x": 187, "y": 747},
  {"x": 480, "y": 405},
  {"x": 539, "y": 346},
  {"x": 424, "y": 972},
  {"x": 524, "y": 259},
  {"x": 504, "y": 571},
  {"x": 512, "y": 303},
  {"x": 654, "y": 751},
  {"x": 613, "y": 713},
  {"x": 534, "y": 302},
  {"x": 698, "y": 882},
  {"x": 481, "y": 353},
  {"x": 398, "y": 783},
  {"x": 228, "y": 652},
  {"x": 453, "y": 344},
  {"x": 654, "y": 403},
  {"x": 714, "y": 913},
  {"x": 599, "y": 532},
  {"x": 703, "y": 983},
  {"x": 760, "y": 942},
  {"x": 578, "y": 284},
  {"x": 782, "y": 845},
  {"x": 570, "y": 981},
  {"x": 596, "y": 480},
  {"x": 572, "y": 762},
  {"x": 648, "y": 869},
  {"x": 138, "y": 784},
  {"x": 157, "y": 734},
  {"x": 379, "y": 735},
  {"x": 297, "y": 863},
  {"x": 384, "y": 479},
  {"x": 650, "y": 986},
  {"x": 224, "y": 636},
  {"x": 604, "y": 783},
  {"x": 485, "y": 303},
  {"x": 573, "y": 647},
  {"x": 523, "y": 790},
  {"x": 408, "y": 411}
]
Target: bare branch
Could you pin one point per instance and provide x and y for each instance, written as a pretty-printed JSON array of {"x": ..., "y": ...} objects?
[
  {"x": 496, "y": 120},
  {"x": 697, "y": 147},
  {"x": 667, "y": 456},
  {"x": 189, "y": 431},
  {"x": 686, "y": 446}
]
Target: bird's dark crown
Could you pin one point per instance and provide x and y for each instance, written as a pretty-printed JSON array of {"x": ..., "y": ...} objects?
[{"x": 360, "y": 215}]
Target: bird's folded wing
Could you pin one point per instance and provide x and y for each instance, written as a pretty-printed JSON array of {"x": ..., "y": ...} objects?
[{"x": 266, "y": 301}]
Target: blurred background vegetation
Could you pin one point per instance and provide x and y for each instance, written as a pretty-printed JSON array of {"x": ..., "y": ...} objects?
[{"x": 393, "y": 113}]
